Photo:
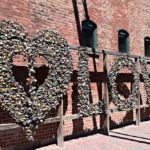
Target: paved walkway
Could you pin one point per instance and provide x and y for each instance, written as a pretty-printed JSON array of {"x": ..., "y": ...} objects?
[{"x": 127, "y": 138}]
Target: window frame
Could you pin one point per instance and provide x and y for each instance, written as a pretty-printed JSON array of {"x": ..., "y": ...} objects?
[
  {"x": 147, "y": 50},
  {"x": 91, "y": 27},
  {"x": 125, "y": 36}
]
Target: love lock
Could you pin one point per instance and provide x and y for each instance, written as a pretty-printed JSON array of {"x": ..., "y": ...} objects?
[
  {"x": 131, "y": 101},
  {"x": 48, "y": 44}
]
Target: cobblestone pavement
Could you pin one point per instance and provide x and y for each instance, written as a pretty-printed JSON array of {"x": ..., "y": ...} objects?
[{"x": 127, "y": 138}]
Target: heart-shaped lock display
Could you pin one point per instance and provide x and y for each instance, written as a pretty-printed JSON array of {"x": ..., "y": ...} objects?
[{"x": 30, "y": 109}]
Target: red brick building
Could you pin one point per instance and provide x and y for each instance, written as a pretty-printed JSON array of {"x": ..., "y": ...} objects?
[{"x": 66, "y": 16}]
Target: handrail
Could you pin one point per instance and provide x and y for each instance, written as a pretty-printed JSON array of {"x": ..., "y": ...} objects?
[{"x": 100, "y": 51}]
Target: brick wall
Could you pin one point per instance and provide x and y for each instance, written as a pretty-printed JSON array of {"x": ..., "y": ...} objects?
[{"x": 65, "y": 16}]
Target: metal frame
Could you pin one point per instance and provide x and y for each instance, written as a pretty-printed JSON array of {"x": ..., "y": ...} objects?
[{"x": 61, "y": 118}]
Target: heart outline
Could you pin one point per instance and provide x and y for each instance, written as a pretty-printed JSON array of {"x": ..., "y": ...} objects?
[{"x": 51, "y": 92}]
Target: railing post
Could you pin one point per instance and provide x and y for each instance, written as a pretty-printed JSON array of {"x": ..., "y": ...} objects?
[
  {"x": 138, "y": 110},
  {"x": 60, "y": 130},
  {"x": 106, "y": 125}
]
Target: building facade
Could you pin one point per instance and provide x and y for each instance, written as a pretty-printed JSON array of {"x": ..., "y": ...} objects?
[{"x": 113, "y": 25}]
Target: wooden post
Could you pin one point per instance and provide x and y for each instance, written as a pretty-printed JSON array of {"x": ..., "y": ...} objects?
[
  {"x": 138, "y": 110},
  {"x": 60, "y": 131},
  {"x": 138, "y": 113},
  {"x": 106, "y": 125}
]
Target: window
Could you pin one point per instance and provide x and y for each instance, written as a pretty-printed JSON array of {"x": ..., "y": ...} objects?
[
  {"x": 123, "y": 41},
  {"x": 147, "y": 46},
  {"x": 89, "y": 33}
]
